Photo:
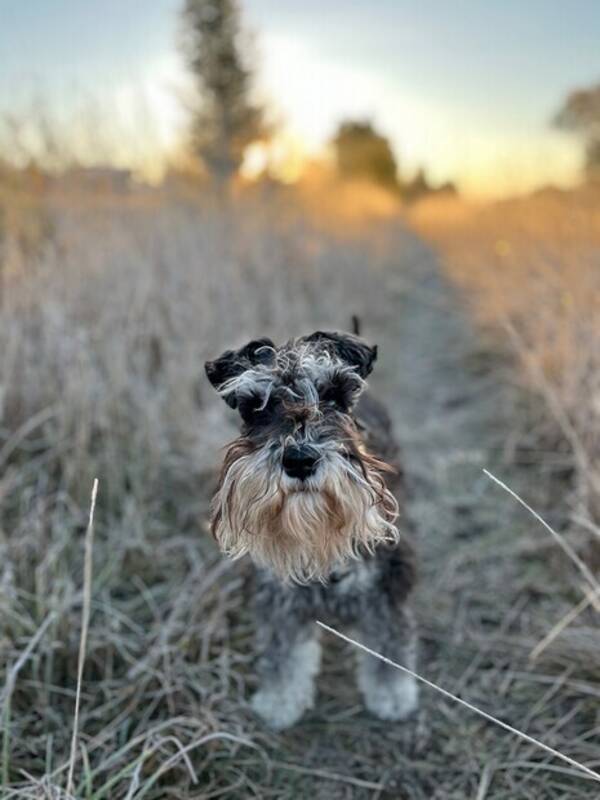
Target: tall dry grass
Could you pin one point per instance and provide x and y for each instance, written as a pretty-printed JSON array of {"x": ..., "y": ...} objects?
[
  {"x": 108, "y": 312},
  {"x": 530, "y": 268},
  {"x": 110, "y": 305}
]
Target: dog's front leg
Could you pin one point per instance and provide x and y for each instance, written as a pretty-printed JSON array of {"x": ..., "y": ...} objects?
[
  {"x": 388, "y": 692},
  {"x": 289, "y": 660}
]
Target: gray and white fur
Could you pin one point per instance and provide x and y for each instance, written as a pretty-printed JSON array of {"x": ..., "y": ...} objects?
[{"x": 310, "y": 490}]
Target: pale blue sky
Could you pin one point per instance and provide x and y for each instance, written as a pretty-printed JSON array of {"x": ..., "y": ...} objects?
[{"x": 465, "y": 87}]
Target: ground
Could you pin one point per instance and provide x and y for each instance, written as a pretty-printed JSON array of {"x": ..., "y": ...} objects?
[{"x": 169, "y": 667}]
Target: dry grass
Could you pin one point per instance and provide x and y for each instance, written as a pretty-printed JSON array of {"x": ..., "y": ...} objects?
[
  {"x": 104, "y": 326},
  {"x": 104, "y": 329},
  {"x": 531, "y": 270}
]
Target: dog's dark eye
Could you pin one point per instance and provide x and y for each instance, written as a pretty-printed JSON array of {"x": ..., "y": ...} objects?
[
  {"x": 249, "y": 404},
  {"x": 339, "y": 393},
  {"x": 252, "y": 411},
  {"x": 332, "y": 396}
]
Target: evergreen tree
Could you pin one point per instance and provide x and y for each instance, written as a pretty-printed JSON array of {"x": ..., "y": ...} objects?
[{"x": 226, "y": 119}]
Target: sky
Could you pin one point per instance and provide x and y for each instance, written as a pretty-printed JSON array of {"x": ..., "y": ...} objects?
[{"x": 465, "y": 88}]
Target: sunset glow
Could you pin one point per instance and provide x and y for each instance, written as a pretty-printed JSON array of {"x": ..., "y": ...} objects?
[{"x": 465, "y": 92}]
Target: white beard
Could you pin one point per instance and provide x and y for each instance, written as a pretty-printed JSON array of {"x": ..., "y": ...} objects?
[{"x": 302, "y": 531}]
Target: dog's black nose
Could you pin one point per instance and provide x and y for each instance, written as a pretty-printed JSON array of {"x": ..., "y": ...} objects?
[{"x": 299, "y": 461}]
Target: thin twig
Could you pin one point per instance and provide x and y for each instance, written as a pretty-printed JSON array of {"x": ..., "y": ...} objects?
[
  {"x": 24, "y": 657},
  {"x": 581, "y": 565},
  {"x": 586, "y": 770},
  {"x": 485, "y": 780},
  {"x": 565, "y": 621},
  {"x": 85, "y": 621},
  {"x": 5, "y": 697},
  {"x": 21, "y": 433}
]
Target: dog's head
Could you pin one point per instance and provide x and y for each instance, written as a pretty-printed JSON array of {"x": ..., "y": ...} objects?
[{"x": 298, "y": 490}]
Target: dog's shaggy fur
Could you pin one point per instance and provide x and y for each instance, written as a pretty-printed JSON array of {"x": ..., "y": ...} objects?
[{"x": 310, "y": 491}]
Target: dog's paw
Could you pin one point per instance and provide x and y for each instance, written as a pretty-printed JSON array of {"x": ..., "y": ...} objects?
[
  {"x": 393, "y": 699},
  {"x": 281, "y": 709},
  {"x": 282, "y": 700}
]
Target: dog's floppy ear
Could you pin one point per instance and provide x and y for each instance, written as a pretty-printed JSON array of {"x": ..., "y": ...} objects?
[
  {"x": 234, "y": 362},
  {"x": 349, "y": 348}
]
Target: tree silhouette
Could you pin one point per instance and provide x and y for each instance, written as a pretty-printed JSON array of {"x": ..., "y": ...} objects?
[
  {"x": 363, "y": 153},
  {"x": 580, "y": 114},
  {"x": 226, "y": 119}
]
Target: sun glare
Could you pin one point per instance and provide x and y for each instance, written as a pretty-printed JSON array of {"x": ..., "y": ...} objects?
[{"x": 284, "y": 158}]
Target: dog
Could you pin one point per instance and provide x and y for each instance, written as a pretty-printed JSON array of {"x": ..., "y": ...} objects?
[{"x": 310, "y": 491}]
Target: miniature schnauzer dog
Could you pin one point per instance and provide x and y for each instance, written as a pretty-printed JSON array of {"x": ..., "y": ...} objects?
[{"x": 307, "y": 491}]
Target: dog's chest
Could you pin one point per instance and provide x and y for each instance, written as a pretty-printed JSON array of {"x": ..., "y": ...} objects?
[
  {"x": 344, "y": 598},
  {"x": 347, "y": 591},
  {"x": 356, "y": 577}
]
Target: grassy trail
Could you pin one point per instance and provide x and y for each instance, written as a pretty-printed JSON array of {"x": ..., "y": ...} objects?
[
  {"x": 169, "y": 665},
  {"x": 487, "y": 591}
]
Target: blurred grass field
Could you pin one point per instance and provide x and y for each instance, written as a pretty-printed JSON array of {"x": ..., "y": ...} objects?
[
  {"x": 530, "y": 270},
  {"x": 110, "y": 304}
]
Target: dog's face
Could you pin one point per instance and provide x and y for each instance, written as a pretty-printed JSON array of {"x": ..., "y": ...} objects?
[{"x": 298, "y": 491}]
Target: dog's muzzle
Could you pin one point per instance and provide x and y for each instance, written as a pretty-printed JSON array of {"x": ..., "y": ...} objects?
[{"x": 300, "y": 461}]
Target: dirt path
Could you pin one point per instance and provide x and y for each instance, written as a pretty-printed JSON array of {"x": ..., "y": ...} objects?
[
  {"x": 484, "y": 586},
  {"x": 452, "y": 408}
]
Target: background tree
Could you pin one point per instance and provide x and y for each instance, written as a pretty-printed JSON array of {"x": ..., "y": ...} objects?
[
  {"x": 420, "y": 186},
  {"x": 226, "y": 119},
  {"x": 580, "y": 114},
  {"x": 363, "y": 153}
]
